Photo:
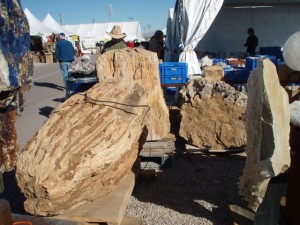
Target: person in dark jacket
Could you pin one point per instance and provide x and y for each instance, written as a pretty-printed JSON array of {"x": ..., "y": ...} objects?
[
  {"x": 252, "y": 42},
  {"x": 64, "y": 52},
  {"x": 156, "y": 44}
]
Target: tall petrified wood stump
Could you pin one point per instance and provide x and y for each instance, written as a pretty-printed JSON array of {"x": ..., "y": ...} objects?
[
  {"x": 268, "y": 128},
  {"x": 90, "y": 142}
]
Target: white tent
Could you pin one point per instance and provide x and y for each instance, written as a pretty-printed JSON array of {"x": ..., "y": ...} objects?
[
  {"x": 191, "y": 20},
  {"x": 228, "y": 33},
  {"x": 53, "y": 25},
  {"x": 37, "y": 27},
  {"x": 89, "y": 40},
  {"x": 98, "y": 30}
]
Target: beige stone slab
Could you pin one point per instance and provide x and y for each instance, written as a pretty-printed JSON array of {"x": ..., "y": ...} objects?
[
  {"x": 132, "y": 221},
  {"x": 109, "y": 209},
  {"x": 240, "y": 216}
]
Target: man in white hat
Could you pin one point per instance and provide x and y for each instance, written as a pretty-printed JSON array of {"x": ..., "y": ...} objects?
[{"x": 117, "y": 39}]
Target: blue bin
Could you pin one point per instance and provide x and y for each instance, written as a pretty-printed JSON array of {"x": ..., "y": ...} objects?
[
  {"x": 236, "y": 75},
  {"x": 173, "y": 73},
  {"x": 79, "y": 84},
  {"x": 216, "y": 61},
  {"x": 251, "y": 62},
  {"x": 275, "y": 51}
]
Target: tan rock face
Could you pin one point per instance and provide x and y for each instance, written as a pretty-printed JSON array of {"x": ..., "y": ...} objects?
[
  {"x": 267, "y": 133},
  {"x": 213, "y": 115},
  {"x": 91, "y": 141},
  {"x": 213, "y": 73}
]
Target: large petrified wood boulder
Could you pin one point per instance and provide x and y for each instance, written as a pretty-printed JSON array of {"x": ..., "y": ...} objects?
[
  {"x": 267, "y": 133},
  {"x": 213, "y": 115},
  {"x": 90, "y": 142},
  {"x": 16, "y": 69}
]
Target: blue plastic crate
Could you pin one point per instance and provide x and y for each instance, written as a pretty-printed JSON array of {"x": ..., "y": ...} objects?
[
  {"x": 275, "y": 51},
  {"x": 216, "y": 61},
  {"x": 173, "y": 72},
  {"x": 251, "y": 62},
  {"x": 75, "y": 85},
  {"x": 236, "y": 75}
]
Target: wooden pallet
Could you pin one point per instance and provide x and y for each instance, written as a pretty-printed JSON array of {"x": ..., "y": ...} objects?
[
  {"x": 194, "y": 149},
  {"x": 157, "y": 154}
]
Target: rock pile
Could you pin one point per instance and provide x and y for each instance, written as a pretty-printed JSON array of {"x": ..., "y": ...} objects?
[{"x": 213, "y": 115}]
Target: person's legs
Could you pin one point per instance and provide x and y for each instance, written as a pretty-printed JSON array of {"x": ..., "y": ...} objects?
[{"x": 64, "y": 66}]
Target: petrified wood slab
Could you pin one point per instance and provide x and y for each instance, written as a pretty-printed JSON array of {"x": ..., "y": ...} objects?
[
  {"x": 91, "y": 141},
  {"x": 268, "y": 131}
]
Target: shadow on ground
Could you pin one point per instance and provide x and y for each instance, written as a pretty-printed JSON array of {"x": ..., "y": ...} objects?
[
  {"x": 197, "y": 184},
  {"x": 12, "y": 193},
  {"x": 49, "y": 85},
  {"x": 46, "y": 111}
]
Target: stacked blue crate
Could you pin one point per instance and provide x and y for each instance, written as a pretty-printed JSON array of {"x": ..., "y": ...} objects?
[
  {"x": 251, "y": 62},
  {"x": 236, "y": 75},
  {"x": 173, "y": 73},
  {"x": 216, "y": 61},
  {"x": 275, "y": 51}
]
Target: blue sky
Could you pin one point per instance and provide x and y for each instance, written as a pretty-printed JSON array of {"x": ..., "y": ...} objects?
[{"x": 152, "y": 14}]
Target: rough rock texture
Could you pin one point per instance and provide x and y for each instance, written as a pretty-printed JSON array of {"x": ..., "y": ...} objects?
[
  {"x": 213, "y": 73},
  {"x": 91, "y": 141},
  {"x": 16, "y": 69},
  {"x": 8, "y": 140},
  {"x": 213, "y": 115},
  {"x": 267, "y": 133}
]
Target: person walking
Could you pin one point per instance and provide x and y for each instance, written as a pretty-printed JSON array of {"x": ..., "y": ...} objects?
[
  {"x": 252, "y": 42},
  {"x": 64, "y": 52}
]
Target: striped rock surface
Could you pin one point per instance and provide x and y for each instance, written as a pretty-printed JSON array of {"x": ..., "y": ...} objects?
[{"x": 91, "y": 141}]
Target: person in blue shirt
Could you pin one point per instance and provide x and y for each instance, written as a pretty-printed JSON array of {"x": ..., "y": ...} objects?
[{"x": 64, "y": 52}]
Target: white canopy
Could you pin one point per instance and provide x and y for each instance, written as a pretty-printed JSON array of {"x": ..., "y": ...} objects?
[
  {"x": 272, "y": 25},
  {"x": 98, "y": 30},
  {"x": 37, "y": 27},
  {"x": 53, "y": 25},
  {"x": 89, "y": 40},
  {"x": 191, "y": 20},
  {"x": 89, "y": 33}
]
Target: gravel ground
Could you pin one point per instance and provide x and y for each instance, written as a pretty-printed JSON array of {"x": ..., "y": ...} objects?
[{"x": 197, "y": 189}]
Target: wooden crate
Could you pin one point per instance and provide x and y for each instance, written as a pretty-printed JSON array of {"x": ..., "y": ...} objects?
[{"x": 48, "y": 58}]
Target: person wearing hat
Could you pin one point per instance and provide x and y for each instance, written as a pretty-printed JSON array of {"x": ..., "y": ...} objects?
[
  {"x": 117, "y": 39},
  {"x": 64, "y": 52},
  {"x": 252, "y": 42}
]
